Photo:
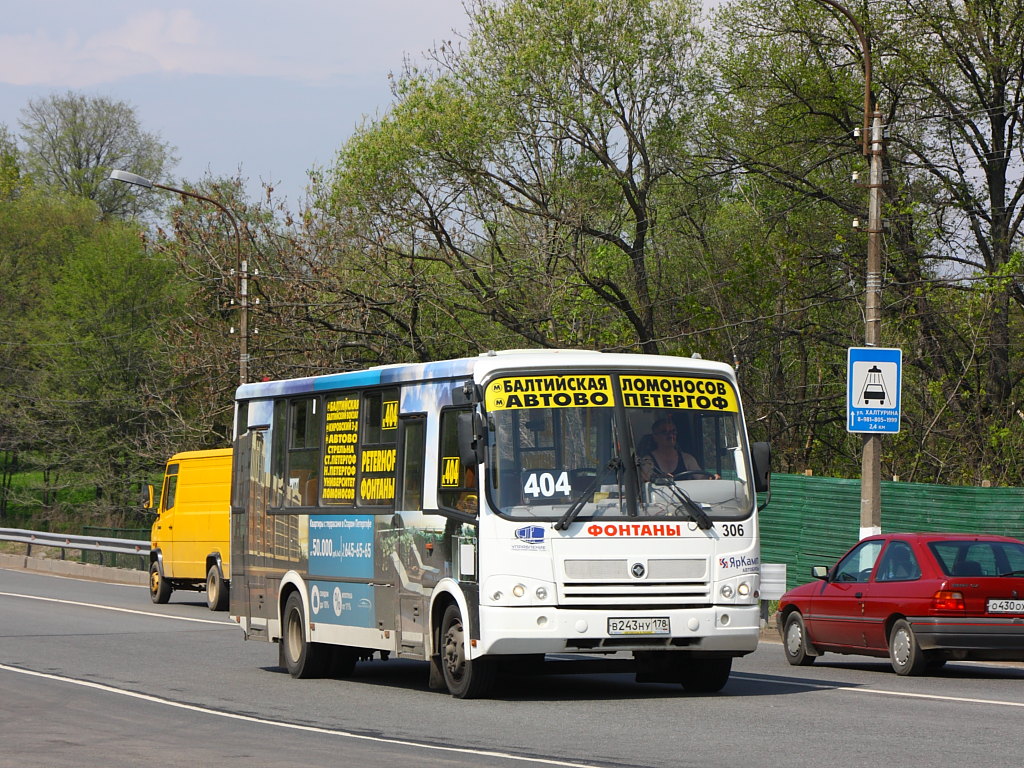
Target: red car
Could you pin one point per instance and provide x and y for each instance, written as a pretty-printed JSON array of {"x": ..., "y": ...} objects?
[{"x": 919, "y": 598}]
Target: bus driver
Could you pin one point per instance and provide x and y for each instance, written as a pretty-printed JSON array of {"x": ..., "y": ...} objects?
[{"x": 667, "y": 458}]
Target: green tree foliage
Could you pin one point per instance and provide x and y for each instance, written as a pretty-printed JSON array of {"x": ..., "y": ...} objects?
[
  {"x": 73, "y": 141},
  {"x": 948, "y": 79},
  {"x": 527, "y": 167},
  {"x": 10, "y": 165},
  {"x": 97, "y": 342}
]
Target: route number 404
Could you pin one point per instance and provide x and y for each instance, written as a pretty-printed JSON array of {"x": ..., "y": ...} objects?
[{"x": 547, "y": 484}]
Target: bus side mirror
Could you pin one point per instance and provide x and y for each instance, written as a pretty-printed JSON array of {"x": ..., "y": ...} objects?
[
  {"x": 147, "y": 497},
  {"x": 471, "y": 438},
  {"x": 761, "y": 454}
]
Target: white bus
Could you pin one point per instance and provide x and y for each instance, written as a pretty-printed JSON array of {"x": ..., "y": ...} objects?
[{"x": 488, "y": 513}]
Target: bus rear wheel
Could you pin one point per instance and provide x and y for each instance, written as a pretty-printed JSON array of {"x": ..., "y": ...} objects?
[
  {"x": 302, "y": 659},
  {"x": 159, "y": 587},
  {"x": 465, "y": 678}
]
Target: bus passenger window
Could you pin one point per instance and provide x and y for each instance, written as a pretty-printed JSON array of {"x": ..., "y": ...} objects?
[{"x": 303, "y": 454}]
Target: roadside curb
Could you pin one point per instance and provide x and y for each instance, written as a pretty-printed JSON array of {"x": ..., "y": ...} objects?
[{"x": 74, "y": 570}]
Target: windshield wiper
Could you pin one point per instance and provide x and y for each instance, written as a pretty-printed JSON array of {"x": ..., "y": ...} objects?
[
  {"x": 693, "y": 509},
  {"x": 1019, "y": 572},
  {"x": 579, "y": 501}
]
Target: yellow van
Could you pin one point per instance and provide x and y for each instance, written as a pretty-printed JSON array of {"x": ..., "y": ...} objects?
[{"x": 189, "y": 548}]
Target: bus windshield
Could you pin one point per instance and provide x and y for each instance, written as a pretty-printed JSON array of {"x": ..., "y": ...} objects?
[{"x": 562, "y": 441}]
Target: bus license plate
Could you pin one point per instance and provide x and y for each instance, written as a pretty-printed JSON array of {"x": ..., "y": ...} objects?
[
  {"x": 1006, "y": 606},
  {"x": 651, "y": 625}
]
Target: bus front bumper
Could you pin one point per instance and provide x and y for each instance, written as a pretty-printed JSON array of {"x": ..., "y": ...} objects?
[{"x": 547, "y": 629}]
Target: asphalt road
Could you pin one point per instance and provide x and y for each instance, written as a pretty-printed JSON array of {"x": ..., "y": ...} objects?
[{"x": 95, "y": 674}]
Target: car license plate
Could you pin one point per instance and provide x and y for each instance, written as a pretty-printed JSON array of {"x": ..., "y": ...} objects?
[
  {"x": 651, "y": 625},
  {"x": 1006, "y": 606}
]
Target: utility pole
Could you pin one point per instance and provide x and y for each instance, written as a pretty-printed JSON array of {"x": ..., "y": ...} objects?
[
  {"x": 871, "y": 460},
  {"x": 874, "y": 149}
]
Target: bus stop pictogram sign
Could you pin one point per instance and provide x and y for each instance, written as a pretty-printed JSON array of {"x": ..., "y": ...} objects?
[{"x": 874, "y": 376}]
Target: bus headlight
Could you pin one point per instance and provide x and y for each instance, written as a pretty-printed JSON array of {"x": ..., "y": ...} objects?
[
  {"x": 501, "y": 590},
  {"x": 726, "y": 591},
  {"x": 743, "y": 589}
]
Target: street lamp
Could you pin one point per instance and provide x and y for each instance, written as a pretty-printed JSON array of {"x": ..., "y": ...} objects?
[
  {"x": 871, "y": 460},
  {"x": 242, "y": 267}
]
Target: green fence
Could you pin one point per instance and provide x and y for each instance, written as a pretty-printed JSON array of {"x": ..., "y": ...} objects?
[{"x": 814, "y": 520}]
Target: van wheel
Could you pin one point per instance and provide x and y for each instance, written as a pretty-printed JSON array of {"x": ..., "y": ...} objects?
[
  {"x": 216, "y": 589},
  {"x": 159, "y": 587},
  {"x": 465, "y": 678},
  {"x": 302, "y": 659}
]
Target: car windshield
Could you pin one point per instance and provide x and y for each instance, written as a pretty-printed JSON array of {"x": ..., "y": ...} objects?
[
  {"x": 561, "y": 442},
  {"x": 979, "y": 558}
]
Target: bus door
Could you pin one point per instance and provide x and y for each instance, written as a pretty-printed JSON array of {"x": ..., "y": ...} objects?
[
  {"x": 248, "y": 531},
  {"x": 414, "y": 558}
]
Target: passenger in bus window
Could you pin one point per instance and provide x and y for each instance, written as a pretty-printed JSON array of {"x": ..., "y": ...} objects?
[{"x": 666, "y": 456}]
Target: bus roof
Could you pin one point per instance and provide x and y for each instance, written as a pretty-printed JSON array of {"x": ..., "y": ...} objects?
[{"x": 480, "y": 367}]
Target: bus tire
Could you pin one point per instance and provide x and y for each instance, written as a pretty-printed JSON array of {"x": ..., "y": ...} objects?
[
  {"x": 159, "y": 587},
  {"x": 465, "y": 678},
  {"x": 216, "y": 589},
  {"x": 706, "y": 675},
  {"x": 301, "y": 658}
]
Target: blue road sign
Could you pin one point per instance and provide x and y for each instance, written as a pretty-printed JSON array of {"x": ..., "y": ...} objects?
[{"x": 874, "y": 377}]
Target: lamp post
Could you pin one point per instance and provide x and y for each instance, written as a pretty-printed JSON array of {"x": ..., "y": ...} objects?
[
  {"x": 242, "y": 267},
  {"x": 871, "y": 460}
]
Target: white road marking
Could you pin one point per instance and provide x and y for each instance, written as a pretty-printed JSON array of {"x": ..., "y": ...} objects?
[
  {"x": 878, "y": 691},
  {"x": 295, "y": 726},
  {"x": 119, "y": 610}
]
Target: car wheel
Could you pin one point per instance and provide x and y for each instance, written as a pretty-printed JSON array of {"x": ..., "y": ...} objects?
[
  {"x": 465, "y": 678},
  {"x": 302, "y": 659},
  {"x": 216, "y": 590},
  {"x": 905, "y": 654},
  {"x": 794, "y": 641},
  {"x": 159, "y": 587}
]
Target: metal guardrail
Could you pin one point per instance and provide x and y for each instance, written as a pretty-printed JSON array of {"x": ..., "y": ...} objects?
[{"x": 82, "y": 543}]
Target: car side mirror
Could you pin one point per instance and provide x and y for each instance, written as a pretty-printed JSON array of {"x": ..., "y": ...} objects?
[
  {"x": 147, "y": 497},
  {"x": 819, "y": 572}
]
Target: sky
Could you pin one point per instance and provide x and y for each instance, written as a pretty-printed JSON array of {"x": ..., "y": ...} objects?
[{"x": 262, "y": 88}]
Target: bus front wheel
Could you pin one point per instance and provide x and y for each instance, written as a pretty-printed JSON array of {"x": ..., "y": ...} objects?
[
  {"x": 706, "y": 675},
  {"x": 302, "y": 659},
  {"x": 465, "y": 678}
]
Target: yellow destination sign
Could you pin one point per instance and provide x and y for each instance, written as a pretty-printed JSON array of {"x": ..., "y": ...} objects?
[
  {"x": 580, "y": 391},
  {"x": 678, "y": 392}
]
